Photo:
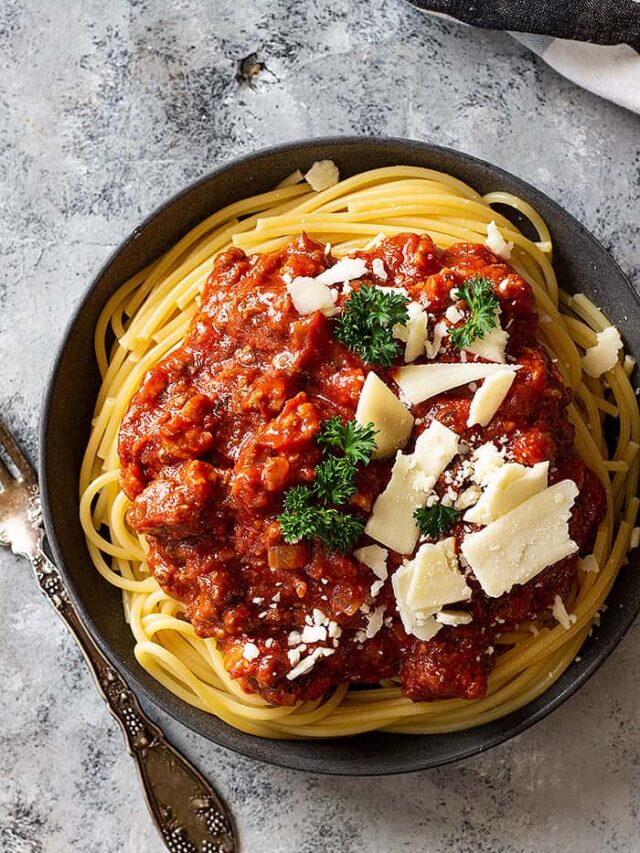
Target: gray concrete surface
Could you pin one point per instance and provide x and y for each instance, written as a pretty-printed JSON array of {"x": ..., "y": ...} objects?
[{"x": 105, "y": 110}]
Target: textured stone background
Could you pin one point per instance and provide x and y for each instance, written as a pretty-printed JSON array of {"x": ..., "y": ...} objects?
[{"x": 105, "y": 110}]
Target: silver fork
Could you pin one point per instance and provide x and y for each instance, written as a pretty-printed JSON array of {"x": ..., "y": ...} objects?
[{"x": 189, "y": 814}]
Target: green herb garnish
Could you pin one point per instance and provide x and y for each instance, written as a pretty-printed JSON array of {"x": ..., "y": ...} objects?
[
  {"x": 434, "y": 520},
  {"x": 302, "y": 519},
  {"x": 357, "y": 442},
  {"x": 335, "y": 480},
  {"x": 308, "y": 513},
  {"x": 483, "y": 304},
  {"x": 366, "y": 323}
]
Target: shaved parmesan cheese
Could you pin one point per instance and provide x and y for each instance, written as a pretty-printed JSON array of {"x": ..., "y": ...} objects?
[
  {"x": 322, "y": 175},
  {"x": 453, "y": 314},
  {"x": 490, "y": 396},
  {"x": 415, "y": 346},
  {"x": 377, "y": 265},
  {"x": 375, "y": 588},
  {"x": 412, "y": 479},
  {"x": 560, "y": 614},
  {"x": 426, "y": 583},
  {"x": 314, "y": 634},
  {"x": 486, "y": 460},
  {"x": 421, "y": 381},
  {"x": 421, "y": 625},
  {"x": 414, "y": 332},
  {"x": 520, "y": 544},
  {"x": 433, "y": 346},
  {"x": 401, "y": 330},
  {"x": 496, "y": 242},
  {"x": 307, "y": 664},
  {"x": 589, "y": 564},
  {"x": 510, "y": 485},
  {"x": 375, "y": 558},
  {"x": 378, "y": 405},
  {"x": 634, "y": 542},
  {"x": 374, "y": 622},
  {"x": 250, "y": 651},
  {"x": 604, "y": 355},
  {"x": 493, "y": 346},
  {"x": 309, "y": 295},
  {"x": 346, "y": 269},
  {"x": 469, "y": 497},
  {"x": 436, "y": 579},
  {"x": 453, "y": 617}
]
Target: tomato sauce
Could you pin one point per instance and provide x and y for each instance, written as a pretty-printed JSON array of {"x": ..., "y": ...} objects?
[{"x": 224, "y": 425}]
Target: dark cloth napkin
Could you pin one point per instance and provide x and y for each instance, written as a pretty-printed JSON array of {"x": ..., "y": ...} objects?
[
  {"x": 594, "y": 43},
  {"x": 598, "y": 21}
]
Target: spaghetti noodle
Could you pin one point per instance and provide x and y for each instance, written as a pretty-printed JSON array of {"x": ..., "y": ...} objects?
[{"x": 148, "y": 317}]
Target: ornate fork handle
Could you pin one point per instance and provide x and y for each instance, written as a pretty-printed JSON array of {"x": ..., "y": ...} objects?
[{"x": 189, "y": 814}]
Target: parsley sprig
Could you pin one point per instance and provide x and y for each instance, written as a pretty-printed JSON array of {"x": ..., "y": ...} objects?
[
  {"x": 335, "y": 480},
  {"x": 483, "y": 304},
  {"x": 366, "y": 323},
  {"x": 307, "y": 510},
  {"x": 302, "y": 519},
  {"x": 434, "y": 520},
  {"x": 357, "y": 442}
]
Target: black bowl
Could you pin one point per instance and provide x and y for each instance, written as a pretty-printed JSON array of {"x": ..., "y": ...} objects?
[{"x": 582, "y": 265}]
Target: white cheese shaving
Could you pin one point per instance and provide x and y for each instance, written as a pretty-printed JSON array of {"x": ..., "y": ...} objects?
[
  {"x": 420, "y": 381},
  {"x": 454, "y": 617},
  {"x": 433, "y": 346},
  {"x": 425, "y": 584},
  {"x": 604, "y": 355},
  {"x": 634, "y": 542},
  {"x": 314, "y": 634},
  {"x": 375, "y": 558},
  {"x": 496, "y": 242},
  {"x": 401, "y": 330},
  {"x": 309, "y": 295},
  {"x": 374, "y": 622},
  {"x": 378, "y": 405},
  {"x": 436, "y": 579},
  {"x": 377, "y": 265},
  {"x": 494, "y": 344},
  {"x": 469, "y": 497},
  {"x": 307, "y": 664},
  {"x": 520, "y": 544},
  {"x": 250, "y": 651},
  {"x": 294, "y": 638},
  {"x": 560, "y": 613},
  {"x": 376, "y": 586},
  {"x": 453, "y": 314},
  {"x": 490, "y": 396},
  {"x": 416, "y": 339},
  {"x": 294, "y": 656},
  {"x": 322, "y": 175},
  {"x": 507, "y": 488},
  {"x": 346, "y": 269},
  {"x": 589, "y": 564},
  {"x": 412, "y": 479},
  {"x": 421, "y": 625},
  {"x": 486, "y": 460},
  {"x": 414, "y": 332}
]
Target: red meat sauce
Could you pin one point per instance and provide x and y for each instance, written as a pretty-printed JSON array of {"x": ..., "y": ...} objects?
[{"x": 221, "y": 427}]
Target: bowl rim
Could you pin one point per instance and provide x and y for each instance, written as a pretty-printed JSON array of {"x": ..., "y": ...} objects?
[{"x": 179, "y": 710}]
